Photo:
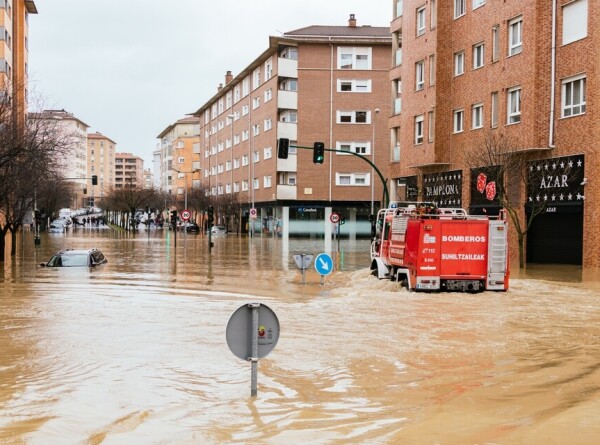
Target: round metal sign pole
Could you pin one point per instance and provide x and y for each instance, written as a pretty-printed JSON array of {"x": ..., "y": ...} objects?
[{"x": 254, "y": 358}]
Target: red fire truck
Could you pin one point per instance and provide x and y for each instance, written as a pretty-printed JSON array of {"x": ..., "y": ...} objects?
[{"x": 431, "y": 249}]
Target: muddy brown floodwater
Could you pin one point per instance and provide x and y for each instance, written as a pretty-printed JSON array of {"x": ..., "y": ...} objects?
[{"x": 135, "y": 352}]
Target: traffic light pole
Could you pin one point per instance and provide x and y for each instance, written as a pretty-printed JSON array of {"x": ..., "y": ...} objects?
[{"x": 383, "y": 181}]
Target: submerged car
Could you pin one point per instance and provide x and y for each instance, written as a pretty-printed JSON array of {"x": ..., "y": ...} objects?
[
  {"x": 57, "y": 226},
  {"x": 218, "y": 230},
  {"x": 192, "y": 228},
  {"x": 76, "y": 258}
]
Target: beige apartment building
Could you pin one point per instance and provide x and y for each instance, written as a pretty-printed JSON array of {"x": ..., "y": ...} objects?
[
  {"x": 129, "y": 170},
  {"x": 101, "y": 163},
  {"x": 74, "y": 163},
  {"x": 178, "y": 154},
  {"x": 319, "y": 83},
  {"x": 523, "y": 70}
]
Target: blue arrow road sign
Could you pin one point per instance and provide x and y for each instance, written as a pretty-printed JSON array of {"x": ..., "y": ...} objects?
[{"x": 324, "y": 264}]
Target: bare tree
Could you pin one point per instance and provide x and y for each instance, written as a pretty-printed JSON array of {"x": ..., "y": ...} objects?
[
  {"x": 127, "y": 200},
  {"x": 30, "y": 152}
]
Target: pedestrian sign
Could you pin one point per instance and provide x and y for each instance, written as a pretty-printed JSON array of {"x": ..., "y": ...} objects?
[{"x": 324, "y": 264}]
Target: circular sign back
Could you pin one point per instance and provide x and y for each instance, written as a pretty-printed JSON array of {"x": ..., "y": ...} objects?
[{"x": 239, "y": 331}]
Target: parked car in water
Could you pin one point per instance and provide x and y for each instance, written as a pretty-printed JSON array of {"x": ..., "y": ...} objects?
[
  {"x": 76, "y": 258},
  {"x": 192, "y": 228},
  {"x": 218, "y": 230},
  {"x": 57, "y": 226}
]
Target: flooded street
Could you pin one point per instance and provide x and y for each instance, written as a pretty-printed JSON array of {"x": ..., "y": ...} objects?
[{"x": 134, "y": 352}]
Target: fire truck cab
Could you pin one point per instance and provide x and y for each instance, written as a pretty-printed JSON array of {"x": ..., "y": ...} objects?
[{"x": 432, "y": 249}]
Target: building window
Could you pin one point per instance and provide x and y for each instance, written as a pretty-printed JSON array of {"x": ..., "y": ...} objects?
[
  {"x": 350, "y": 179},
  {"x": 432, "y": 69},
  {"x": 268, "y": 69},
  {"x": 515, "y": 36},
  {"x": 289, "y": 116},
  {"x": 421, "y": 20},
  {"x": 268, "y": 95},
  {"x": 256, "y": 183},
  {"x": 268, "y": 153},
  {"x": 513, "y": 107},
  {"x": 419, "y": 129},
  {"x": 459, "y": 116},
  {"x": 477, "y": 116},
  {"x": 459, "y": 63},
  {"x": 256, "y": 78},
  {"x": 430, "y": 126},
  {"x": 478, "y": 55},
  {"x": 180, "y": 160},
  {"x": 433, "y": 13},
  {"x": 575, "y": 21},
  {"x": 573, "y": 96},
  {"x": 358, "y": 58},
  {"x": 419, "y": 75},
  {"x": 495, "y": 43},
  {"x": 353, "y": 117},
  {"x": 494, "y": 114},
  {"x": 478, "y": 3},
  {"x": 268, "y": 124},
  {"x": 361, "y": 148},
  {"x": 289, "y": 85},
  {"x": 354, "y": 86},
  {"x": 266, "y": 182},
  {"x": 460, "y": 8}
]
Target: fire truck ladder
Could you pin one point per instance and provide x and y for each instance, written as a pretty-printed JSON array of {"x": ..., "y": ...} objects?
[{"x": 497, "y": 254}]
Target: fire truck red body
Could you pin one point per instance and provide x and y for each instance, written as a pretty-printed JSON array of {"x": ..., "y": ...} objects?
[{"x": 433, "y": 249}]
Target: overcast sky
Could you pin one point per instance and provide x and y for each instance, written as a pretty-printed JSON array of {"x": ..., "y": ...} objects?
[{"x": 131, "y": 68}]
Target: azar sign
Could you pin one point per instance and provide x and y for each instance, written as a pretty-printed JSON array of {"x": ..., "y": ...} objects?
[{"x": 556, "y": 181}]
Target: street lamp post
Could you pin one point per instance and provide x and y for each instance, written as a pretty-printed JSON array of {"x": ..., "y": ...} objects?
[
  {"x": 372, "y": 217},
  {"x": 231, "y": 118}
]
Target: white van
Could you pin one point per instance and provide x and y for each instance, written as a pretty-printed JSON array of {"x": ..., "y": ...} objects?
[{"x": 64, "y": 213}]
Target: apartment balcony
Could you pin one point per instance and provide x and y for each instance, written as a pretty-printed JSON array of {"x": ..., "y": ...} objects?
[
  {"x": 288, "y": 165},
  {"x": 287, "y": 100},
  {"x": 287, "y": 130},
  {"x": 286, "y": 192},
  {"x": 287, "y": 67}
]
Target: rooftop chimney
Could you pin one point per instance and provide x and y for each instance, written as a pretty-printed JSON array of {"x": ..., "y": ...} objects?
[
  {"x": 352, "y": 21},
  {"x": 228, "y": 77},
  {"x": 220, "y": 87}
]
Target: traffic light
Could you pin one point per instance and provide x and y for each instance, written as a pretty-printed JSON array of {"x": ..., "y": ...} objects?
[
  {"x": 283, "y": 147},
  {"x": 94, "y": 180},
  {"x": 174, "y": 217},
  {"x": 318, "y": 153},
  {"x": 211, "y": 214}
]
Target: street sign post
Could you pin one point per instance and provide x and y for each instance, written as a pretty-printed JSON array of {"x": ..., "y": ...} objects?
[
  {"x": 303, "y": 261},
  {"x": 252, "y": 333},
  {"x": 323, "y": 265}
]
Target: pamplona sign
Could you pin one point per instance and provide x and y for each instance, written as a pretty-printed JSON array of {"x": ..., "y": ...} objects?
[
  {"x": 556, "y": 181},
  {"x": 443, "y": 189}
]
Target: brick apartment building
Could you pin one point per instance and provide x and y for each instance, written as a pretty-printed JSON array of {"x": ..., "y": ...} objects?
[
  {"x": 14, "y": 54},
  {"x": 527, "y": 70},
  {"x": 319, "y": 83},
  {"x": 178, "y": 156}
]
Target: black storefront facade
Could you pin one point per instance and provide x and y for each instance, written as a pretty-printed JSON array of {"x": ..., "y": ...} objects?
[
  {"x": 555, "y": 199},
  {"x": 557, "y": 187}
]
